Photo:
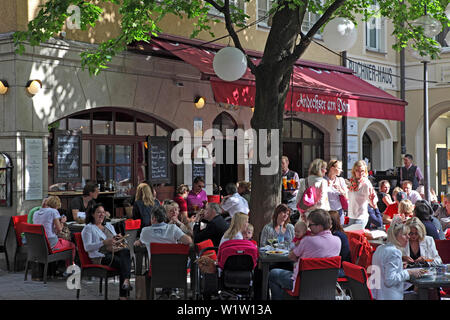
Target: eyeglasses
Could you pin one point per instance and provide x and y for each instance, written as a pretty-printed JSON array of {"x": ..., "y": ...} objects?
[
  {"x": 312, "y": 224},
  {"x": 413, "y": 234}
]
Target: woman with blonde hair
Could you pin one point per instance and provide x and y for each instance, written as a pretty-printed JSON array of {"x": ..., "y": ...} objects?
[
  {"x": 405, "y": 209},
  {"x": 361, "y": 194},
  {"x": 420, "y": 248},
  {"x": 173, "y": 216},
  {"x": 388, "y": 265},
  {"x": 238, "y": 225},
  {"x": 316, "y": 173},
  {"x": 144, "y": 204}
]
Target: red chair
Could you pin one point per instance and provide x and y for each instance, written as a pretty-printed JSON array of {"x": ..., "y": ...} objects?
[
  {"x": 204, "y": 284},
  {"x": 168, "y": 266},
  {"x": 39, "y": 250},
  {"x": 443, "y": 248},
  {"x": 93, "y": 270},
  {"x": 132, "y": 228},
  {"x": 316, "y": 279},
  {"x": 357, "y": 281},
  {"x": 361, "y": 250},
  {"x": 13, "y": 242},
  {"x": 214, "y": 199}
]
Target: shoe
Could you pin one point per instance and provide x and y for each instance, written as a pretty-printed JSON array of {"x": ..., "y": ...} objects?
[
  {"x": 127, "y": 287},
  {"x": 174, "y": 296}
]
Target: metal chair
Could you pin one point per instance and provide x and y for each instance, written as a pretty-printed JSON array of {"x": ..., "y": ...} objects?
[
  {"x": 131, "y": 230},
  {"x": 168, "y": 266},
  {"x": 13, "y": 242},
  {"x": 4, "y": 224},
  {"x": 89, "y": 269},
  {"x": 316, "y": 279},
  {"x": 39, "y": 250},
  {"x": 204, "y": 284},
  {"x": 357, "y": 281}
]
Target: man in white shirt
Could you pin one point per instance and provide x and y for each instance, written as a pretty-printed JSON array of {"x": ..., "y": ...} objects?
[
  {"x": 234, "y": 202},
  {"x": 411, "y": 194}
]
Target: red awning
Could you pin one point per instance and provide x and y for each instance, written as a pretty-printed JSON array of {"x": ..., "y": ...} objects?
[{"x": 317, "y": 88}]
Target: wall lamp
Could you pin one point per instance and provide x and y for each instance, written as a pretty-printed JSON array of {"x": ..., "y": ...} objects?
[
  {"x": 33, "y": 86},
  {"x": 3, "y": 86},
  {"x": 199, "y": 102}
]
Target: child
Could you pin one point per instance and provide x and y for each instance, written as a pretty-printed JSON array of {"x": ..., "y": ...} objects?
[
  {"x": 248, "y": 234},
  {"x": 300, "y": 230}
]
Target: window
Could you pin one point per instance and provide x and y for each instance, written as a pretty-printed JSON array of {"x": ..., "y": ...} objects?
[
  {"x": 237, "y": 3},
  {"x": 308, "y": 21},
  {"x": 376, "y": 32}
]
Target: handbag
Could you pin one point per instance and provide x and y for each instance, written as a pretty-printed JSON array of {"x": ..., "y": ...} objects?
[
  {"x": 344, "y": 202},
  {"x": 308, "y": 198}
]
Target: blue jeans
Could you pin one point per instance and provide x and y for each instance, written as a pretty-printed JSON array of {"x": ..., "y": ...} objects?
[
  {"x": 358, "y": 221},
  {"x": 341, "y": 216},
  {"x": 280, "y": 279}
]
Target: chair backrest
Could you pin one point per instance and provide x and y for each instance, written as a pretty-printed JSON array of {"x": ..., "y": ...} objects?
[
  {"x": 17, "y": 223},
  {"x": 443, "y": 248},
  {"x": 169, "y": 264},
  {"x": 317, "y": 278},
  {"x": 4, "y": 224},
  {"x": 37, "y": 241},
  {"x": 237, "y": 255},
  {"x": 206, "y": 244},
  {"x": 357, "y": 281},
  {"x": 83, "y": 255},
  {"x": 361, "y": 250},
  {"x": 131, "y": 224},
  {"x": 214, "y": 198}
]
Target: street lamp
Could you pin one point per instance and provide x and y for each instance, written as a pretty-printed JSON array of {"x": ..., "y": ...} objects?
[{"x": 432, "y": 28}]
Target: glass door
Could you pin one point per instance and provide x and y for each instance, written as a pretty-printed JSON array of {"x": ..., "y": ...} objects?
[{"x": 114, "y": 162}]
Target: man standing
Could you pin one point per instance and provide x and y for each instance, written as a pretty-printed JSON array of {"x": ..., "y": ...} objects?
[
  {"x": 288, "y": 192},
  {"x": 197, "y": 197},
  {"x": 410, "y": 172},
  {"x": 215, "y": 228}
]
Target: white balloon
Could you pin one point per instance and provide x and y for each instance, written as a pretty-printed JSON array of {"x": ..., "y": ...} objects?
[
  {"x": 340, "y": 34},
  {"x": 230, "y": 64}
]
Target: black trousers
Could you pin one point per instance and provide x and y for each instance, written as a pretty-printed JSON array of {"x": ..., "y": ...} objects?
[{"x": 122, "y": 262}]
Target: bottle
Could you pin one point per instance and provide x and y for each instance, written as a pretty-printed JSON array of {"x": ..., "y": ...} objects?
[{"x": 284, "y": 183}]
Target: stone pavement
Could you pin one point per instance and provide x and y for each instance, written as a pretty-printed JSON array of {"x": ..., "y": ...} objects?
[{"x": 13, "y": 287}]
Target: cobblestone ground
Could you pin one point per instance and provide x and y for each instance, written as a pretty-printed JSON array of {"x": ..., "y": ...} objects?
[{"x": 13, "y": 287}]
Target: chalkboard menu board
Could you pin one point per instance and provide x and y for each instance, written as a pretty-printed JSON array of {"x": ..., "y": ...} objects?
[
  {"x": 198, "y": 169},
  {"x": 158, "y": 159},
  {"x": 67, "y": 160}
]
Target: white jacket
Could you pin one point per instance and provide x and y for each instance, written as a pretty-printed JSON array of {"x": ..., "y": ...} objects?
[
  {"x": 93, "y": 239},
  {"x": 427, "y": 249}
]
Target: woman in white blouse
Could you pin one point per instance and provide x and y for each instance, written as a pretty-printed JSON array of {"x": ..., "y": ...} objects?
[
  {"x": 388, "y": 276},
  {"x": 98, "y": 239},
  {"x": 361, "y": 192},
  {"x": 337, "y": 188},
  {"x": 420, "y": 247},
  {"x": 316, "y": 173}
]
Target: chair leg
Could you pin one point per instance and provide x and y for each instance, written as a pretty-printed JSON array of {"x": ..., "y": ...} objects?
[
  {"x": 26, "y": 270},
  {"x": 106, "y": 288},
  {"x": 78, "y": 294},
  {"x": 45, "y": 272},
  {"x": 100, "y": 287}
]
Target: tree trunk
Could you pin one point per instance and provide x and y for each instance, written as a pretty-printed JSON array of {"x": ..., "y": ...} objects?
[{"x": 272, "y": 84}]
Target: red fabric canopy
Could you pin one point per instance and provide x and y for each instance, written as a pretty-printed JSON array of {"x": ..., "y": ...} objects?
[{"x": 317, "y": 88}]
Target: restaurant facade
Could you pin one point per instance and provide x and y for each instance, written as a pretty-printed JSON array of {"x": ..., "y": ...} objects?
[{"x": 119, "y": 125}]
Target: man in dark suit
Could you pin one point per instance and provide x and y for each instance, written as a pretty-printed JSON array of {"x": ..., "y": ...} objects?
[{"x": 215, "y": 227}]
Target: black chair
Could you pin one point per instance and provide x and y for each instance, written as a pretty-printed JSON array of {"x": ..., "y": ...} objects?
[
  {"x": 4, "y": 224},
  {"x": 131, "y": 230},
  {"x": 39, "y": 250},
  {"x": 14, "y": 246},
  {"x": 168, "y": 266},
  {"x": 357, "y": 281},
  {"x": 89, "y": 269}
]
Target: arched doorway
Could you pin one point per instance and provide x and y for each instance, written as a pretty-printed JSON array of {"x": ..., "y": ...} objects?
[
  {"x": 377, "y": 145},
  {"x": 367, "y": 148},
  {"x": 302, "y": 143},
  {"x": 226, "y": 172},
  {"x": 114, "y": 144}
]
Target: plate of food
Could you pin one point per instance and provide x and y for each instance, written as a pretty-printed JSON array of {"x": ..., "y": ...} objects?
[{"x": 278, "y": 251}]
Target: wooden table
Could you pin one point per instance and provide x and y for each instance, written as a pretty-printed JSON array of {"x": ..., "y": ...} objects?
[
  {"x": 428, "y": 282},
  {"x": 265, "y": 261}
]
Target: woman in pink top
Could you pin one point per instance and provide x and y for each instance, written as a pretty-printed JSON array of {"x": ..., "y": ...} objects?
[{"x": 320, "y": 244}]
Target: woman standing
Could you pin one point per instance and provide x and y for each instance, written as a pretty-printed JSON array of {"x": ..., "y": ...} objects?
[
  {"x": 316, "y": 173},
  {"x": 144, "y": 204},
  {"x": 387, "y": 260},
  {"x": 337, "y": 188},
  {"x": 99, "y": 240},
  {"x": 180, "y": 198},
  {"x": 361, "y": 192},
  {"x": 279, "y": 228}
]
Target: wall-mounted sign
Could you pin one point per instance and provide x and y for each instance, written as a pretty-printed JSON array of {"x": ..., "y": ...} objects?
[
  {"x": 380, "y": 75},
  {"x": 352, "y": 127},
  {"x": 33, "y": 169},
  {"x": 352, "y": 144}
]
